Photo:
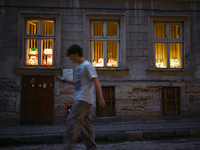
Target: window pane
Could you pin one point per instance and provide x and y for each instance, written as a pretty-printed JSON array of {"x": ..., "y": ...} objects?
[
  {"x": 160, "y": 30},
  {"x": 161, "y": 55},
  {"x": 47, "y": 27},
  {"x": 112, "y": 54},
  {"x": 97, "y": 54},
  {"x": 111, "y": 29},
  {"x": 32, "y": 52},
  {"x": 97, "y": 29},
  {"x": 175, "y": 55},
  {"x": 174, "y": 31},
  {"x": 47, "y": 52},
  {"x": 32, "y": 27}
]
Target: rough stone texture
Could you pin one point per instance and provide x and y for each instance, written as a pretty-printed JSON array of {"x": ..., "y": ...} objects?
[{"x": 134, "y": 135}]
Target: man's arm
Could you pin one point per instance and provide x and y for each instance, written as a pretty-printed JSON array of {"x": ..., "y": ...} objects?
[
  {"x": 63, "y": 79},
  {"x": 99, "y": 91}
]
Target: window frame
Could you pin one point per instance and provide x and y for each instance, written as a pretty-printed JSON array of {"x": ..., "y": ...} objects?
[
  {"x": 185, "y": 40},
  {"x": 120, "y": 18},
  {"x": 39, "y": 37},
  {"x": 23, "y": 17},
  {"x": 105, "y": 39}
]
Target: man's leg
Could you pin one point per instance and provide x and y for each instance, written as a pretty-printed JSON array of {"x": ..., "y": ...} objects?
[
  {"x": 74, "y": 121},
  {"x": 87, "y": 133}
]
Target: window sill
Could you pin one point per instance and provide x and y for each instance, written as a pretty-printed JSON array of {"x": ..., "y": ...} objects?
[
  {"x": 112, "y": 69},
  {"x": 35, "y": 70},
  {"x": 170, "y": 72}
]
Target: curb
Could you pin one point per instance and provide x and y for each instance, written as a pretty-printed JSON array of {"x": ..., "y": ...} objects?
[{"x": 100, "y": 136}]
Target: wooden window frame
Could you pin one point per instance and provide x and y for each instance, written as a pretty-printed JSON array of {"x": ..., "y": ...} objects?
[
  {"x": 185, "y": 40},
  {"x": 39, "y": 37},
  {"x": 121, "y": 19},
  {"x": 167, "y": 40},
  {"x": 111, "y": 102},
  {"x": 22, "y": 36},
  {"x": 176, "y": 101}
]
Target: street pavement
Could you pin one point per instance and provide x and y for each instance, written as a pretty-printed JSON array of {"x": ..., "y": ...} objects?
[
  {"x": 111, "y": 132},
  {"x": 166, "y": 144}
]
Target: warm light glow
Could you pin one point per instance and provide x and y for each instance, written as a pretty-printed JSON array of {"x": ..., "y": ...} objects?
[
  {"x": 112, "y": 54},
  {"x": 161, "y": 55},
  {"x": 98, "y": 54},
  {"x": 47, "y": 52},
  {"x": 32, "y": 52},
  {"x": 175, "y": 55},
  {"x": 47, "y": 27},
  {"x": 111, "y": 29},
  {"x": 97, "y": 29},
  {"x": 160, "y": 31},
  {"x": 32, "y": 27}
]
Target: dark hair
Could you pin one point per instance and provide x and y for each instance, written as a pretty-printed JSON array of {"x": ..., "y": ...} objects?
[{"x": 75, "y": 49}]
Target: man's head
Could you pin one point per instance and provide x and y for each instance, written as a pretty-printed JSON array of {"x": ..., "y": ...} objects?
[{"x": 75, "y": 53}]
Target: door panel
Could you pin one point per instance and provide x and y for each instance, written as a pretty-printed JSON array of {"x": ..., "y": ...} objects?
[
  {"x": 37, "y": 99},
  {"x": 45, "y": 94}
]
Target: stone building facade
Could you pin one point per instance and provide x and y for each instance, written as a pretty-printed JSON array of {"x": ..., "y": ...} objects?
[{"x": 153, "y": 75}]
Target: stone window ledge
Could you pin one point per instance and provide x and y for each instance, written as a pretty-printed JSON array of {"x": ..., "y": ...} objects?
[
  {"x": 170, "y": 72},
  {"x": 112, "y": 69},
  {"x": 44, "y": 70}
]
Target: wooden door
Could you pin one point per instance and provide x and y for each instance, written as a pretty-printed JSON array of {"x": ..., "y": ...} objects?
[
  {"x": 109, "y": 97},
  {"x": 37, "y": 99}
]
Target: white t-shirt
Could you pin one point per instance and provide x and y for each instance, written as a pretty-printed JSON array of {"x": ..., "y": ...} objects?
[{"x": 84, "y": 85}]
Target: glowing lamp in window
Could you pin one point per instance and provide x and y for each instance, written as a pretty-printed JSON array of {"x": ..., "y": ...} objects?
[
  {"x": 161, "y": 55},
  {"x": 175, "y": 55},
  {"x": 47, "y": 51},
  {"x": 32, "y": 52},
  {"x": 112, "y": 54},
  {"x": 97, "y": 54}
]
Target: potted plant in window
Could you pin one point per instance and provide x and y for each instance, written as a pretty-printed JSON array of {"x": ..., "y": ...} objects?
[{"x": 33, "y": 50}]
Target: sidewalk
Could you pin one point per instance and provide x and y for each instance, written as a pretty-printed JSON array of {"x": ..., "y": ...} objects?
[{"x": 103, "y": 132}]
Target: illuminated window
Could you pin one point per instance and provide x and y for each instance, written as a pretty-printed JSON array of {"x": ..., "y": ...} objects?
[
  {"x": 105, "y": 43},
  {"x": 168, "y": 43},
  {"x": 39, "y": 39}
]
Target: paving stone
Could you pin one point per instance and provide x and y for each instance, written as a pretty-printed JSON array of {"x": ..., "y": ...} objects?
[
  {"x": 182, "y": 133},
  {"x": 100, "y": 136},
  {"x": 151, "y": 135},
  {"x": 9, "y": 140},
  {"x": 52, "y": 138},
  {"x": 116, "y": 136},
  {"x": 195, "y": 133},
  {"x": 29, "y": 139},
  {"x": 166, "y": 133},
  {"x": 134, "y": 135}
]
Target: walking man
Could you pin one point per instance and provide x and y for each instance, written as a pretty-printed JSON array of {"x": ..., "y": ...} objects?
[{"x": 79, "y": 121}]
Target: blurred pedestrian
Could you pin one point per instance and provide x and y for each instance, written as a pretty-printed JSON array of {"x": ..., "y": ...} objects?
[{"x": 79, "y": 121}]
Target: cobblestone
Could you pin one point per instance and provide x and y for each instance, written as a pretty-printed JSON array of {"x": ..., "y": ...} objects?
[{"x": 170, "y": 144}]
